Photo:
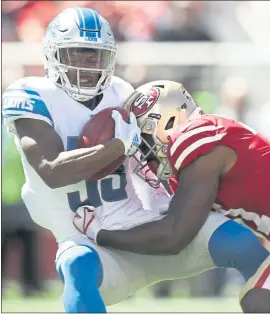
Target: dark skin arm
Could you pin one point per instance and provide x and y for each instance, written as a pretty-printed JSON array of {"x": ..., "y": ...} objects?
[
  {"x": 187, "y": 212},
  {"x": 44, "y": 151}
]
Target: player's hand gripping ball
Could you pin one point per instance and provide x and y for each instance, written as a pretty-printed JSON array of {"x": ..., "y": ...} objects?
[{"x": 99, "y": 130}]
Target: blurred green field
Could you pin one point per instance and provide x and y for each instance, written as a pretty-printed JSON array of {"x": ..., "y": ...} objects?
[
  {"x": 50, "y": 301},
  {"x": 132, "y": 305}
]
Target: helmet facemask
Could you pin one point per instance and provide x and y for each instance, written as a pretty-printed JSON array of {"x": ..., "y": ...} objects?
[
  {"x": 153, "y": 156},
  {"x": 82, "y": 71}
]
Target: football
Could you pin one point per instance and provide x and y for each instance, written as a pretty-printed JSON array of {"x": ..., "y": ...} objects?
[{"x": 99, "y": 130}]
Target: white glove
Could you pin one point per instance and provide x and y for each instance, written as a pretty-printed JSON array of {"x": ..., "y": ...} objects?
[
  {"x": 86, "y": 221},
  {"x": 128, "y": 133}
]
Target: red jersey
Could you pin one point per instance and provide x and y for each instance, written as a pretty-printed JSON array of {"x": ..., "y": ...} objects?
[{"x": 244, "y": 191}]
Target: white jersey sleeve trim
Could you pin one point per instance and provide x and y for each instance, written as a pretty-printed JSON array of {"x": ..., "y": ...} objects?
[
  {"x": 14, "y": 115},
  {"x": 195, "y": 146}
]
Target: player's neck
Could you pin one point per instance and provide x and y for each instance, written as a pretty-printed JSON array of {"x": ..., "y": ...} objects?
[{"x": 92, "y": 103}]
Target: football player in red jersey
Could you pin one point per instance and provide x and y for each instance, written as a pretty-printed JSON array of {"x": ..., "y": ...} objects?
[{"x": 207, "y": 159}]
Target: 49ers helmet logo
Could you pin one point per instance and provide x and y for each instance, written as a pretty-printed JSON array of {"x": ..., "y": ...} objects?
[{"x": 145, "y": 102}]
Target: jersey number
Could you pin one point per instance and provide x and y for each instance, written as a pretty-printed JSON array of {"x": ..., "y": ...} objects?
[{"x": 107, "y": 193}]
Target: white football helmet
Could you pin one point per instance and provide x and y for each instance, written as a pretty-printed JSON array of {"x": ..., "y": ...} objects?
[
  {"x": 80, "y": 52},
  {"x": 160, "y": 107}
]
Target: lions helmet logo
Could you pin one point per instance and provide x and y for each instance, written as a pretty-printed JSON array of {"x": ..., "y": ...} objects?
[{"x": 144, "y": 103}]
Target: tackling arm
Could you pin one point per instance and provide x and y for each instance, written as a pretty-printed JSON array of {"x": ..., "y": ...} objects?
[{"x": 187, "y": 212}]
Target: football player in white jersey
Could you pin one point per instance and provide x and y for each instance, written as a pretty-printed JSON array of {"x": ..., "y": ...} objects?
[{"x": 46, "y": 114}]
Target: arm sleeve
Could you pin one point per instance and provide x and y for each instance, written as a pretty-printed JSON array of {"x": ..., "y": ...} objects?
[
  {"x": 23, "y": 102},
  {"x": 195, "y": 139}
]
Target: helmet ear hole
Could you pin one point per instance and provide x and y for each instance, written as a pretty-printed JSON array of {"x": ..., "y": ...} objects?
[{"x": 170, "y": 123}]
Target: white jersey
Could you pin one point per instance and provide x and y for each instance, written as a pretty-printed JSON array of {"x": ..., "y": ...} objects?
[{"x": 113, "y": 197}]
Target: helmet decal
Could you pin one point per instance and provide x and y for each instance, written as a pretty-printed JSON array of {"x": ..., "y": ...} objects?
[
  {"x": 89, "y": 23},
  {"x": 144, "y": 103}
]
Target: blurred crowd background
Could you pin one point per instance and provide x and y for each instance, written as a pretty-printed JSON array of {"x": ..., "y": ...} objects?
[{"x": 237, "y": 85}]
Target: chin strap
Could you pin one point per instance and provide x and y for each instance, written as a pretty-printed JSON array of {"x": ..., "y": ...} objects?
[{"x": 78, "y": 97}]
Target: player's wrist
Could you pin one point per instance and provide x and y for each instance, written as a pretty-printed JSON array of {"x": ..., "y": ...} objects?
[
  {"x": 101, "y": 236},
  {"x": 98, "y": 236}
]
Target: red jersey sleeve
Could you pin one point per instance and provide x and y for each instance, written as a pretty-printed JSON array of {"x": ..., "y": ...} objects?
[{"x": 197, "y": 138}]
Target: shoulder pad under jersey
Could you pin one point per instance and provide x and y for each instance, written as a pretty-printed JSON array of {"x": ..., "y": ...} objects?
[
  {"x": 121, "y": 88},
  {"x": 194, "y": 139},
  {"x": 25, "y": 98}
]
